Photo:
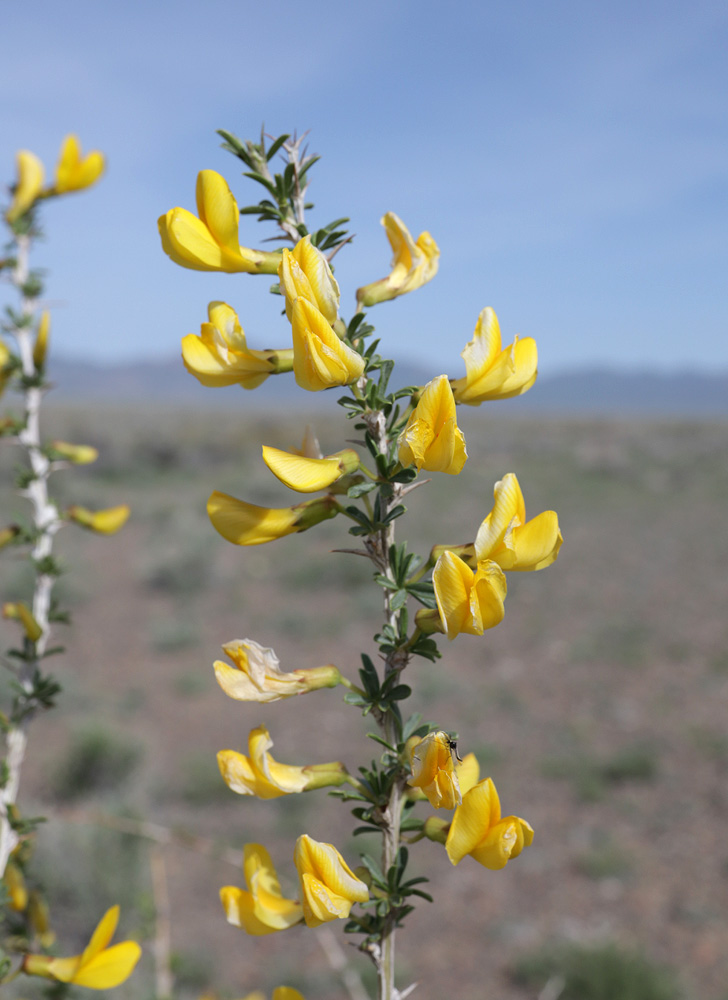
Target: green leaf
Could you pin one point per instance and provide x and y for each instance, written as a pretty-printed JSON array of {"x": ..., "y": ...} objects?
[
  {"x": 360, "y": 489},
  {"x": 275, "y": 146}
]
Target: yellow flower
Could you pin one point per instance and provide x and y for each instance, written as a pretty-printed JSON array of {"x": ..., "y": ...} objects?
[
  {"x": 78, "y": 454},
  {"x": 434, "y": 772},
  {"x": 329, "y": 888},
  {"x": 305, "y": 273},
  {"x": 508, "y": 539},
  {"x": 320, "y": 359},
  {"x": 257, "y": 675},
  {"x": 478, "y": 830},
  {"x": 209, "y": 241},
  {"x": 307, "y": 474},
  {"x": 247, "y": 524},
  {"x": 74, "y": 172},
  {"x": 40, "y": 348},
  {"x": 104, "y": 522},
  {"x": 493, "y": 372},
  {"x": 263, "y": 908},
  {"x": 28, "y": 186},
  {"x": 16, "y": 888},
  {"x": 221, "y": 356},
  {"x": 413, "y": 264},
  {"x": 4, "y": 358},
  {"x": 467, "y": 601},
  {"x": 432, "y": 439},
  {"x": 99, "y": 967},
  {"x": 265, "y": 778}
]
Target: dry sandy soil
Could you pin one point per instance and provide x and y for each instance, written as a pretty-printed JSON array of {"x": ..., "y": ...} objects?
[{"x": 598, "y": 706}]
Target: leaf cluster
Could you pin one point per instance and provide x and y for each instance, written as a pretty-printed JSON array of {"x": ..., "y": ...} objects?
[{"x": 285, "y": 190}]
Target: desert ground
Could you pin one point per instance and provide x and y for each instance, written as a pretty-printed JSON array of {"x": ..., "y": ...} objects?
[{"x": 598, "y": 706}]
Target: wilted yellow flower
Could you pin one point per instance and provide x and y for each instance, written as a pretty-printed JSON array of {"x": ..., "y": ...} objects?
[
  {"x": 99, "y": 967},
  {"x": 493, "y": 372},
  {"x": 257, "y": 675},
  {"x": 305, "y": 273},
  {"x": 478, "y": 830},
  {"x": 28, "y": 186},
  {"x": 432, "y": 439},
  {"x": 247, "y": 524},
  {"x": 265, "y": 778},
  {"x": 104, "y": 522},
  {"x": 506, "y": 537},
  {"x": 307, "y": 475},
  {"x": 18, "y": 611},
  {"x": 40, "y": 348},
  {"x": 467, "y": 601},
  {"x": 413, "y": 264},
  {"x": 262, "y": 909},
  {"x": 78, "y": 454},
  {"x": 320, "y": 359},
  {"x": 433, "y": 770},
  {"x": 329, "y": 888},
  {"x": 209, "y": 241},
  {"x": 75, "y": 172},
  {"x": 221, "y": 356}
]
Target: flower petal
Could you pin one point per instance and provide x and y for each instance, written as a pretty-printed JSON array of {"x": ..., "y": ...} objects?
[
  {"x": 305, "y": 475},
  {"x": 247, "y": 524},
  {"x": 109, "y": 968},
  {"x": 480, "y": 809}
]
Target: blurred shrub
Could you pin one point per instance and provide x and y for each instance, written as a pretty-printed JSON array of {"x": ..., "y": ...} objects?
[
  {"x": 591, "y": 777},
  {"x": 602, "y": 972},
  {"x": 96, "y": 761}
]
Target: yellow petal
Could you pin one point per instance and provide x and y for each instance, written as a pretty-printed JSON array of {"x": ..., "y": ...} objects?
[
  {"x": 279, "y": 779},
  {"x": 40, "y": 348},
  {"x": 468, "y": 772},
  {"x": 320, "y": 278},
  {"x": 305, "y": 475},
  {"x": 79, "y": 454},
  {"x": 479, "y": 811},
  {"x": 492, "y": 372},
  {"x": 218, "y": 210},
  {"x": 508, "y": 505},
  {"x": 102, "y": 935},
  {"x": 256, "y": 675},
  {"x": 499, "y": 844},
  {"x": 320, "y": 359},
  {"x": 247, "y": 524},
  {"x": 238, "y": 773},
  {"x": 413, "y": 263},
  {"x": 487, "y": 597},
  {"x": 286, "y": 993},
  {"x": 190, "y": 243},
  {"x": 328, "y": 885},
  {"x": 111, "y": 520},
  {"x": 433, "y": 771},
  {"x": 432, "y": 440},
  {"x": 453, "y": 579},
  {"x": 480, "y": 353},
  {"x": 28, "y": 186},
  {"x": 110, "y": 968},
  {"x": 531, "y": 546}
]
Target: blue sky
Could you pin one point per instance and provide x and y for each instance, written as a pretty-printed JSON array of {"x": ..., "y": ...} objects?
[{"x": 570, "y": 159}]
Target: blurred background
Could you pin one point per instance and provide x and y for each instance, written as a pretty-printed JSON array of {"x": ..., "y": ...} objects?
[{"x": 570, "y": 161}]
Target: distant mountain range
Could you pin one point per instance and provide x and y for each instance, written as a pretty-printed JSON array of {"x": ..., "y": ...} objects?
[{"x": 589, "y": 391}]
